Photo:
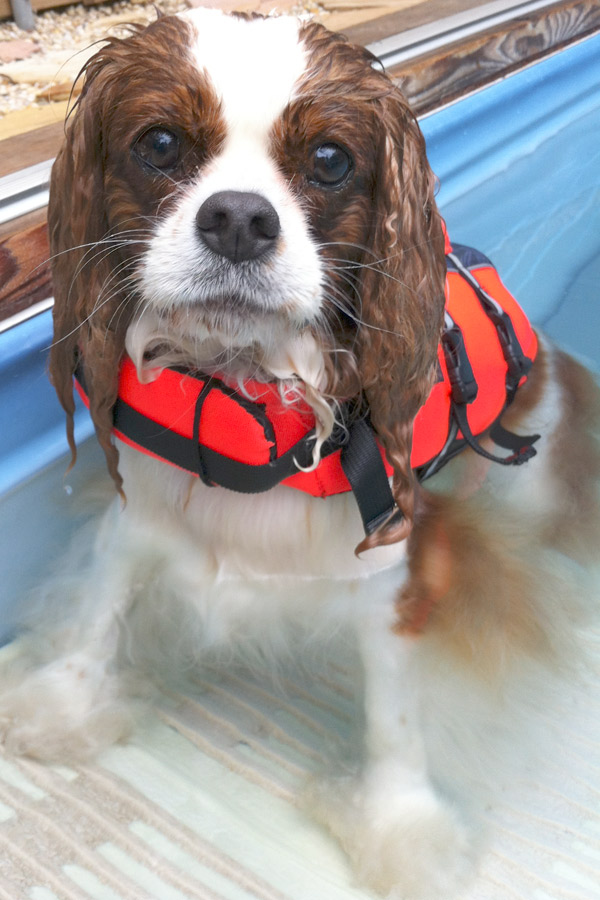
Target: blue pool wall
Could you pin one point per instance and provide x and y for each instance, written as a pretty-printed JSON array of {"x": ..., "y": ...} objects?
[{"x": 519, "y": 171}]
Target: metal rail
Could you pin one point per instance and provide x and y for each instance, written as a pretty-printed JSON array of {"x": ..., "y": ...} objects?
[
  {"x": 24, "y": 191},
  {"x": 417, "y": 41}
]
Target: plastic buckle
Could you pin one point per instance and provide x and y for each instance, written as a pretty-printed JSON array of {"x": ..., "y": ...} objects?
[
  {"x": 462, "y": 380},
  {"x": 522, "y": 455},
  {"x": 518, "y": 364}
]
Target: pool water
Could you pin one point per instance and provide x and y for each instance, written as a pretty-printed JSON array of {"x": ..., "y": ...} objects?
[
  {"x": 519, "y": 166},
  {"x": 547, "y": 240}
]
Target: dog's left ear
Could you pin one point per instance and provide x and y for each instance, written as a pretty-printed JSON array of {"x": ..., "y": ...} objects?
[
  {"x": 402, "y": 300},
  {"x": 90, "y": 310}
]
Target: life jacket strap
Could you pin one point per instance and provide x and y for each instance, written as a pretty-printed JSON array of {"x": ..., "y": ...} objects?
[
  {"x": 522, "y": 447},
  {"x": 518, "y": 365},
  {"x": 363, "y": 467},
  {"x": 202, "y": 469},
  {"x": 464, "y": 387}
]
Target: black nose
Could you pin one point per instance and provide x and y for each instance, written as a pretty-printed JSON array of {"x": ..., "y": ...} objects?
[{"x": 238, "y": 225}]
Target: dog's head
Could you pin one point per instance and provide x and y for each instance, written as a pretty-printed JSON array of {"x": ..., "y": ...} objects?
[{"x": 240, "y": 183}]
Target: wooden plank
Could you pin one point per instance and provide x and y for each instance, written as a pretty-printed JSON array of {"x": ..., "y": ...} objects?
[
  {"x": 349, "y": 15},
  {"x": 20, "y": 151},
  {"x": 24, "y": 270},
  {"x": 9, "y": 229},
  {"x": 444, "y": 75},
  {"x": 411, "y": 16},
  {"x": 40, "y": 5},
  {"x": 25, "y": 124}
]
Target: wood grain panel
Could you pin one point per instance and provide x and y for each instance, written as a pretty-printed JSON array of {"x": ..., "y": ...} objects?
[
  {"x": 24, "y": 270},
  {"x": 437, "y": 78},
  {"x": 20, "y": 151}
]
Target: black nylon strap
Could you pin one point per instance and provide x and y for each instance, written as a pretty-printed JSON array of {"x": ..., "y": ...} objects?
[
  {"x": 461, "y": 375},
  {"x": 201, "y": 470},
  {"x": 216, "y": 469},
  {"x": 521, "y": 446},
  {"x": 518, "y": 365},
  {"x": 364, "y": 469}
]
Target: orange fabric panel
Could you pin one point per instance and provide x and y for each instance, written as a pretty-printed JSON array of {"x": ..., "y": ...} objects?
[{"x": 226, "y": 425}]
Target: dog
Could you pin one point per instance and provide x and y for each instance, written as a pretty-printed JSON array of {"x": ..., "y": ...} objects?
[{"x": 245, "y": 204}]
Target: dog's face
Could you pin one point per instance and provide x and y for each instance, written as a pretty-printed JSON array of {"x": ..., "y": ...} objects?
[
  {"x": 246, "y": 180},
  {"x": 236, "y": 240}
]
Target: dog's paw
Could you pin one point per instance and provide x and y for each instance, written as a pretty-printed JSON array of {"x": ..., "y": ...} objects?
[
  {"x": 63, "y": 711},
  {"x": 423, "y": 853},
  {"x": 409, "y": 846}
]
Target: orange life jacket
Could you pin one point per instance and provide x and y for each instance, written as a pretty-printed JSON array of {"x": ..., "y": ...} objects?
[{"x": 250, "y": 442}]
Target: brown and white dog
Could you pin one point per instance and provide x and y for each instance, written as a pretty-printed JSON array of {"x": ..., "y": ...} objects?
[{"x": 328, "y": 275}]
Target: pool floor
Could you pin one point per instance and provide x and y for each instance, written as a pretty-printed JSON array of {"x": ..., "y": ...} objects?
[{"x": 203, "y": 804}]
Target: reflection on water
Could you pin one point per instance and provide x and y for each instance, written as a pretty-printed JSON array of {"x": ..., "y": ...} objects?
[{"x": 539, "y": 221}]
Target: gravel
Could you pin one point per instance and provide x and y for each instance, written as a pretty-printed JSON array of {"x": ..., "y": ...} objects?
[
  {"x": 60, "y": 34},
  {"x": 65, "y": 35}
]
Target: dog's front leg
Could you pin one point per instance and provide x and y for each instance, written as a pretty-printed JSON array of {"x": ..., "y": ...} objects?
[
  {"x": 404, "y": 839},
  {"x": 61, "y": 684}
]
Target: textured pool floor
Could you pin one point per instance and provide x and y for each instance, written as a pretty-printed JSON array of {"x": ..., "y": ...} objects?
[{"x": 202, "y": 805}]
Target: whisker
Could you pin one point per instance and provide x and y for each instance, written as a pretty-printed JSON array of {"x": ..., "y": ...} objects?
[
  {"x": 352, "y": 314},
  {"x": 366, "y": 249},
  {"x": 115, "y": 242},
  {"x": 100, "y": 302}
]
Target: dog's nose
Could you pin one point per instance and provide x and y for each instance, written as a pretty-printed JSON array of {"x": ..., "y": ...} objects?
[{"x": 238, "y": 225}]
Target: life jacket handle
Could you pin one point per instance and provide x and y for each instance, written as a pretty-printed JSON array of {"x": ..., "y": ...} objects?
[
  {"x": 518, "y": 365},
  {"x": 464, "y": 387}
]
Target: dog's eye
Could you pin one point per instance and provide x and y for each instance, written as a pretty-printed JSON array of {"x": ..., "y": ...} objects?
[
  {"x": 158, "y": 148},
  {"x": 331, "y": 165}
]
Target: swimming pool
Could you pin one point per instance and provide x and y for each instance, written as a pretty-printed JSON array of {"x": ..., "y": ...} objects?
[
  {"x": 519, "y": 166},
  {"x": 202, "y": 802}
]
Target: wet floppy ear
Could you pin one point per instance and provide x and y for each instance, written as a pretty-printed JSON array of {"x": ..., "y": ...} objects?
[
  {"x": 402, "y": 301},
  {"x": 87, "y": 299}
]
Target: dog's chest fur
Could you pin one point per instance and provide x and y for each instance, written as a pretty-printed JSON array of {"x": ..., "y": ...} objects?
[{"x": 250, "y": 562}]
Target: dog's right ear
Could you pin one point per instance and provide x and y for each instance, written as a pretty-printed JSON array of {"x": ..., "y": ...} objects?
[
  {"x": 402, "y": 298},
  {"x": 90, "y": 317}
]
